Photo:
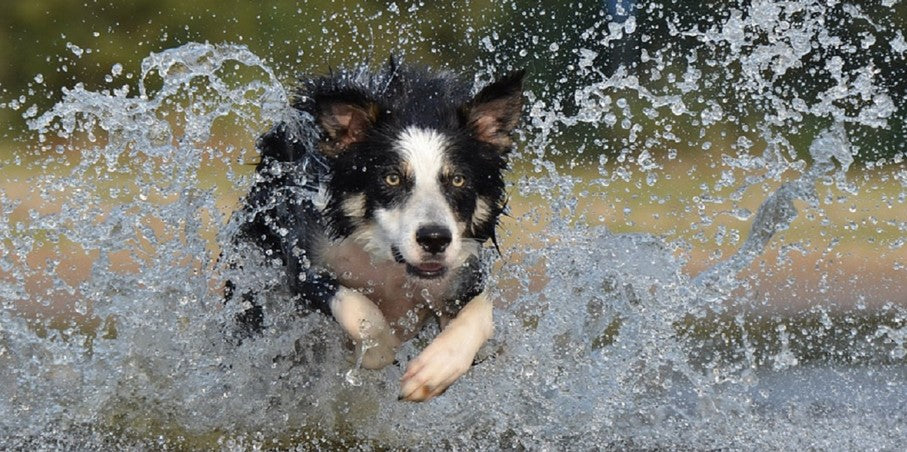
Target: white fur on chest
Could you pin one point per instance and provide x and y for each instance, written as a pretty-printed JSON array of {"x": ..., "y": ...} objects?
[{"x": 404, "y": 300}]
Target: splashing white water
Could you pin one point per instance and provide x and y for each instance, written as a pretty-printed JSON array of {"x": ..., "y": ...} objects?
[{"x": 595, "y": 341}]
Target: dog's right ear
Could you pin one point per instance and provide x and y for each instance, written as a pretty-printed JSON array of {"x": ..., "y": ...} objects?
[{"x": 345, "y": 121}]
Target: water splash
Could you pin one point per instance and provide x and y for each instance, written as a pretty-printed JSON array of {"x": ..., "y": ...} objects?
[
  {"x": 777, "y": 211},
  {"x": 114, "y": 331}
]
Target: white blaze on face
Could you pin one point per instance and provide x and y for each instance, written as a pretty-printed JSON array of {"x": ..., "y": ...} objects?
[{"x": 423, "y": 152}]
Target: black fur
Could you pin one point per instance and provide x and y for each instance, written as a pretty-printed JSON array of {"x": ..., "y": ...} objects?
[
  {"x": 406, "y": 97},
  {"x": 301, "y": 156}
]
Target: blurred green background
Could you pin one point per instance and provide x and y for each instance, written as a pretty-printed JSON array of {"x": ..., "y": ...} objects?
[{"x": 46, "y": 45}]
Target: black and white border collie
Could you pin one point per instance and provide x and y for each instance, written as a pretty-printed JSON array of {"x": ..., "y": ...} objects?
[{"x": 378, "y": 198}]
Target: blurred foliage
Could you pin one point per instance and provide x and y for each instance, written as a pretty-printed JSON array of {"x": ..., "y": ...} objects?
[
  {"x": 69, "y": 42},
  {"x": 46, "y": 45}
]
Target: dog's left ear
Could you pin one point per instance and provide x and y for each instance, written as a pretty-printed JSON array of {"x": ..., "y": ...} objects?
[{"x": 495, "y": 111}]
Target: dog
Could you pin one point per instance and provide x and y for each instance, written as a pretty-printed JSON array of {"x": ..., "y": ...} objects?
[{"x": 379, "y": 197}]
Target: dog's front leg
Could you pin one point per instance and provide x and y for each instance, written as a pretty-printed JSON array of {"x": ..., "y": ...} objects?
[
  {"x": 366, "y": 326},
  {"x": 451, "y": 353}
]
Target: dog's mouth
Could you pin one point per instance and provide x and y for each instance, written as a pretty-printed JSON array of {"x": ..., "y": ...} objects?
[
  {"x": 427, "y": 270},
  {"x": 424, "y": 270}
]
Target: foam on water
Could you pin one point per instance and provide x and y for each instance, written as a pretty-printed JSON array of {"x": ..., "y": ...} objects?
[{"x": 595, "y": 342}]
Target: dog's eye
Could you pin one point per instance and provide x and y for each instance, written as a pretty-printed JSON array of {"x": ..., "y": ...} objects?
[
  {"x": 392, "y": 179},
  {"x": 458, "y": 180}
]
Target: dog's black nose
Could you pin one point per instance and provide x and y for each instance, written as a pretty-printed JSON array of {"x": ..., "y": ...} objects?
[{"x": 433, "y": 238}]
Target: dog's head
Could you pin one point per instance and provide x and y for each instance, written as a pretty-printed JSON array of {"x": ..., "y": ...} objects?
[{"x": 416, "y": 164}]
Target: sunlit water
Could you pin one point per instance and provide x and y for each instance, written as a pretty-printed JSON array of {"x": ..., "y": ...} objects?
[{"x": 114, "y": 332}]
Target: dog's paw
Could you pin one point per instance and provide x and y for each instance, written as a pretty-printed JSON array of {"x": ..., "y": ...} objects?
[
  {"x": 434, "y": 370},
  {"x": 378, "y": 356},
  {"x": 374, "y": 353}
]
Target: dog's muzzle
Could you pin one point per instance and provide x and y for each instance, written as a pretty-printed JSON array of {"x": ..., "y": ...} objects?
[{"x": 424, "y": 270}]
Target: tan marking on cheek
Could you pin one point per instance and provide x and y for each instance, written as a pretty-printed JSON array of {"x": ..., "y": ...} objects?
[
  {"x": 482, "y": 212},
  {"x": 354, "y": 206}
]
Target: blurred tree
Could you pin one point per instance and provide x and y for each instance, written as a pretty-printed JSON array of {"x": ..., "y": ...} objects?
[
  {"x": 60, "y": 43},
  {"x": 49, "y": 44}
]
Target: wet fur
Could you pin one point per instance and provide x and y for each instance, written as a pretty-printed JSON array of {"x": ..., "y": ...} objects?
[{"x": 377, "y": 196}]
